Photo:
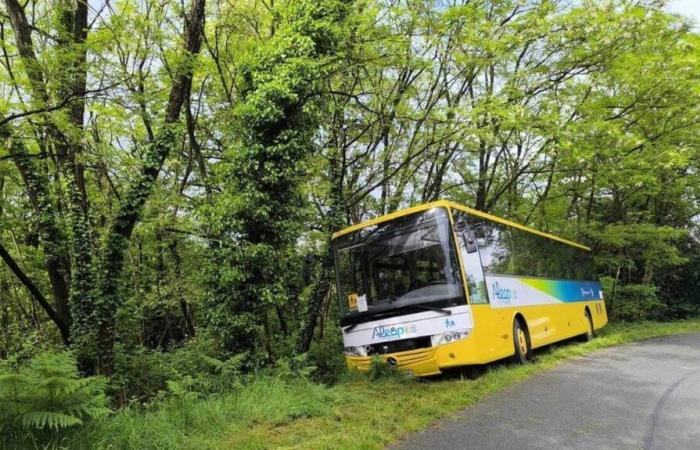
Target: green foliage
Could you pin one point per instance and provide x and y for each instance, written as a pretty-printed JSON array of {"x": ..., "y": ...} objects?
[
  {"x": 640, "y": 249},
  {"x": 272, "y": 413},
  {"x": 635, "y": 302},
  {"x": 259, "y": 215},
  {"x": 379, "y": 369},
  {"x": 579, "y": 118},
  {"x": 143, "y": 375},
  {"x": 22, "y": 348},
  {"x": 327, "y": 356},
  {"x": 679, "y": 287},
  {"x": 296, "y": 367},
  {"x": 186, "y": 421},
  {"x": 47, "y": 394}
]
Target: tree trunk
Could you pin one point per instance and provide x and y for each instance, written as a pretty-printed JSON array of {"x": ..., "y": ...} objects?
[
  {"x": 184, "y": 306},
  {"x": 73, "y": 35},
  {"x": 130, "y": 209},
  {"x": 55, "y": 258},
  {"x": 36, "y": 293},
  {"x": 325, "y": 274}
]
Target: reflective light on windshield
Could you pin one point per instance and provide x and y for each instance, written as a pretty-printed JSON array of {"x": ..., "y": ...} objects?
[{"x": 405, "y": 262}]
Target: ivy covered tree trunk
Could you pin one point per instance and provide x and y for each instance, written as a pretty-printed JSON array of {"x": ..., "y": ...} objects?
[
  {"x": 34, "y": 175},
  {"x": 116, "y": 244},
  {"x": 50, "y": 235},
  {"x": 69, "y": 147},
  {"x": 260, "y": 214}
]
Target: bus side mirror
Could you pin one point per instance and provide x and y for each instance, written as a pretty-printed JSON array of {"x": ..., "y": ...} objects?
[{"x": 469, "y": 241}]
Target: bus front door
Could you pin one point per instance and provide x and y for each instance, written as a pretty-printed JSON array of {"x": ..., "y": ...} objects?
[{"x": 492, "y": 327}]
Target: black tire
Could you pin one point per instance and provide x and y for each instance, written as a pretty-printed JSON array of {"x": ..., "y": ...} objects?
[
  {"x": 590, "y": 331},
  {"x": 521, "y": 342}
]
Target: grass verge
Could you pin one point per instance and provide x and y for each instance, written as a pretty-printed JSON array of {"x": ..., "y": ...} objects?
[{"x": 355, "y": 414}]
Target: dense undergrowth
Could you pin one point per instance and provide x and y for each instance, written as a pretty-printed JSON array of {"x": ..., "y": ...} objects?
[{"x": 287, "y": 408}]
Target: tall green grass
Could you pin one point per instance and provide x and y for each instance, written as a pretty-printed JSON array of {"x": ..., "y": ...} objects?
[
  {"x": 189, "y": 422},
  {"x": 274, "y": 412}
]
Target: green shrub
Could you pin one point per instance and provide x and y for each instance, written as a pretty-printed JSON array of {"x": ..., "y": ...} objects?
[
  {"x": 142, "y": 375},
  {"x": 139, "y": 374},
  {"x": 379, "y": 369},
  {"x": 196, "y": 369},
  {"x": 634, "y": 302},
  {"x": 48, "y": 394},
  {"x": 18, "y": 346},
  {"x": 327, "y": 357},
  {"x": 295, "y": 368}
]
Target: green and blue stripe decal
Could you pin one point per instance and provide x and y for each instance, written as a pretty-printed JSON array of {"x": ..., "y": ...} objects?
[
  {"x": 505, "y": 291},
  {"x": 566, "y": 290}
]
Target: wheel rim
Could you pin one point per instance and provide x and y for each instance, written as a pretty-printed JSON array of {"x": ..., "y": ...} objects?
[{"x": 522, "y": 342}]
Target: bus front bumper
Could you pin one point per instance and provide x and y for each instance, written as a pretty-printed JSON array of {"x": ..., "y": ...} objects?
[{"x": 420, "y": 362}]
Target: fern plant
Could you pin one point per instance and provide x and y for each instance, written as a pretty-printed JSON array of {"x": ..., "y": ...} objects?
[
  {"x": 378, "y": 369},
  {"x": 294, "y": 368},
  {"x": 48, "y": 394}
]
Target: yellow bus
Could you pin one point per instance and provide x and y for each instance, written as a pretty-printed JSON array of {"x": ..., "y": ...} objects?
[{"x": 441, "y": 285}]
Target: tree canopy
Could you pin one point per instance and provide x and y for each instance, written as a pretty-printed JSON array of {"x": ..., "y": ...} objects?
[{"x": 171, "y": 170}]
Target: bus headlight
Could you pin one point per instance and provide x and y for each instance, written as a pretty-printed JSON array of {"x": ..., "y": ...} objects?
[
  {"x": 355, "y": 351},
  {"x": 449, "y": 336}
]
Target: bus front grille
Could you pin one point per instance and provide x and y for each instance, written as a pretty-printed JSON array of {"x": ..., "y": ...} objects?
[
  {"x": 402, "y": 359},
  {"x": 413, "y": 357}
]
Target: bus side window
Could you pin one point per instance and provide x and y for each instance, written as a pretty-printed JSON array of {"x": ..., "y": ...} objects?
[
  {"x": 495, "y": 248},
  {"x": 472, "y": 268}
]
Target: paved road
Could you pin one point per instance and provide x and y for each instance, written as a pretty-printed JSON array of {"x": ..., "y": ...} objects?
[{"x": 638, "y": 396}]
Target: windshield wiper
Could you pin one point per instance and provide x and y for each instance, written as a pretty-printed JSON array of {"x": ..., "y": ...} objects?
[
  {"x": 447, "y": 312},
  {"x": 351, "y": 327}
]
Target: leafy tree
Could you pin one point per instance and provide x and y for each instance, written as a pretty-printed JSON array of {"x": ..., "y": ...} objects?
[
  {"x": 152, "y": 191},
  {"x": 93, "y": 298},
  {"x": 258, "y": 217}
]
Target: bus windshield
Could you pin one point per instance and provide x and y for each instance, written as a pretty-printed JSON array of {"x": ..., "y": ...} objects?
[{"x": 402, "y": 263}]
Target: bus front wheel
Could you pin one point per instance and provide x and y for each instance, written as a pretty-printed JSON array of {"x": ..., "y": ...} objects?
[{"x": 521, "y": 341}]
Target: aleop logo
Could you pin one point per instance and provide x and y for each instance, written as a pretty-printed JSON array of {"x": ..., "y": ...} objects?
[
  {"x": 502, "y": 293},
  {"x": 382, "y": 332}
]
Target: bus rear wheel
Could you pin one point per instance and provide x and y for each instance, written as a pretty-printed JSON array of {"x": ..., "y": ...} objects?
[
  {"x": 521, "y": 341},
  {"x": 588, "y": 335}
]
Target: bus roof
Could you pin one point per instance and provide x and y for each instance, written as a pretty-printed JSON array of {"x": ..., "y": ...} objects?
[{"x": 450, "y": 204}]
